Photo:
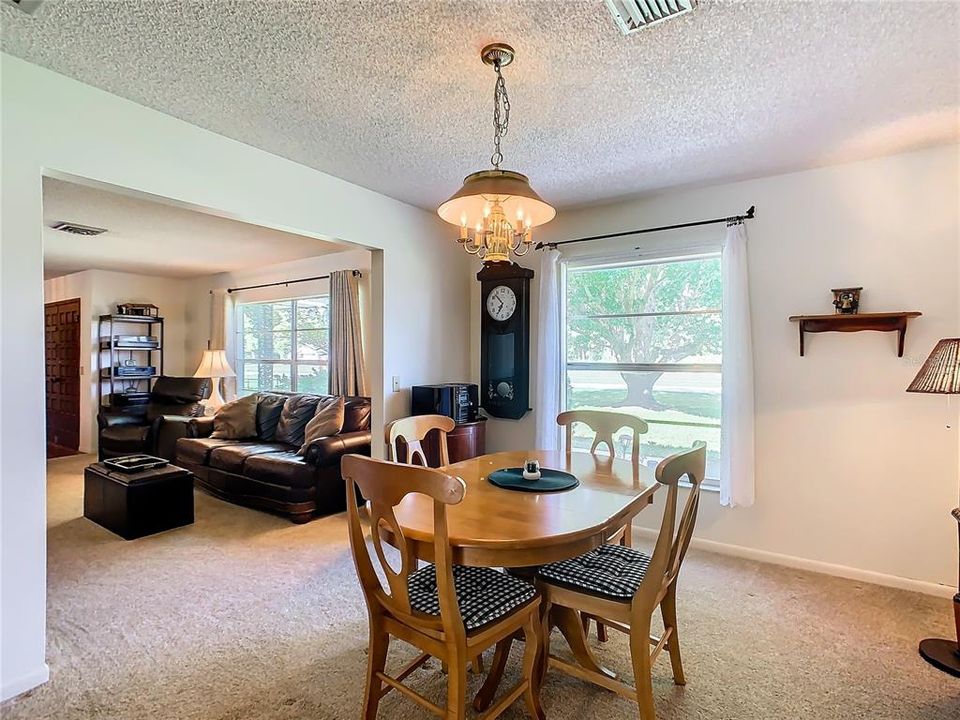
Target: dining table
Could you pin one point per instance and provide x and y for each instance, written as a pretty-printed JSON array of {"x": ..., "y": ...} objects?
[{"x": 522, "y": 530}]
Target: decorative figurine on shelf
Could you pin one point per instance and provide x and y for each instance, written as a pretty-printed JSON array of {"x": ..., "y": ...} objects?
[
  {"x": 847, "y": 300},
  {"x": 531, "y": 470},
  {"x": 138, "y": 309}
]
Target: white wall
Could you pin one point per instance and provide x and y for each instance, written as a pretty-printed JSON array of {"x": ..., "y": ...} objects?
[
  {"x": 119, "y": 144},
  {"x": 851, "y": 470},
  {"x": 198, "y": 307},
  {"x": 99, "y": 292}
]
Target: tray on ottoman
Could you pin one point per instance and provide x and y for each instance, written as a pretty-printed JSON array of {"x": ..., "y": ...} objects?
[{"x": 136, "y": 504}]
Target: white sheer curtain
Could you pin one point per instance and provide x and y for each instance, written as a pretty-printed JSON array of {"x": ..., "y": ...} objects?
[
  {"x": 548, "y": 353},
  {"x": 222, "y": 335},
  {"x": 737, "y": 420}
]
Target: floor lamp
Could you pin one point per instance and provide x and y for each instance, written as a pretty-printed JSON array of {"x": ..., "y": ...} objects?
[{"x": 940, "y": 374}]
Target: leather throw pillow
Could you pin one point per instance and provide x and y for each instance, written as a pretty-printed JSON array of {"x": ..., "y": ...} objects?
[
  {"x": 236, "y": 420},
  {"x": 268, "y": 415},
  {"x": 297, "y": 412},
  {"x": 326, "y": 421}
]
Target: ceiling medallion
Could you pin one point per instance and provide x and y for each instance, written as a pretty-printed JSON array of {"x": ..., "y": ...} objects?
[{"x": 496, "y": 209}]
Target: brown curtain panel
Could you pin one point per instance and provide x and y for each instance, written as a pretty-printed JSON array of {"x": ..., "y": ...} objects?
[{"x": 347, "y": 369}]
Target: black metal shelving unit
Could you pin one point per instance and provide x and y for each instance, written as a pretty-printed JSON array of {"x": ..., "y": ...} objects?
[{"x": 113, "y": 352}]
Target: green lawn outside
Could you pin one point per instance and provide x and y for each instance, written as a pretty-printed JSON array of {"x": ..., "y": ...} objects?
[{"x": 660, "y": 440}]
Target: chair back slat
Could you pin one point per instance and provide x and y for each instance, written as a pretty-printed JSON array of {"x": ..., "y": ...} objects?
[
  {"x": 385, "y": 485},
  {"x": 674, "y": 538},
  {"x": 412, "y": 431},
  {"x": 604, "y": 424}
]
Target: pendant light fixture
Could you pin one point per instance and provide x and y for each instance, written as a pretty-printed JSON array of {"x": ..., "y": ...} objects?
[{"x": 496, "y": 209}]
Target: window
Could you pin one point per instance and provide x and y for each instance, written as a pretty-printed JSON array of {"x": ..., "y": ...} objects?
[
  {"x": 644, "y": 338},
  {"x": 283, "y": 345}
]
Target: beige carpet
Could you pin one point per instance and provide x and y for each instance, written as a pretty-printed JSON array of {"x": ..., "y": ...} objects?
[{"x": 244, "y": 615}]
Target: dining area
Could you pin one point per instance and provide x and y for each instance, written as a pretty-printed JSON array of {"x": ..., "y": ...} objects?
[{"x": 528, "y": 552}]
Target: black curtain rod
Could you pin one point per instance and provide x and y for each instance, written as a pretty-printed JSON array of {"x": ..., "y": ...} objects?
[
  {"x": 356, "y": 273},
  {"x": 731, "y": 219}
]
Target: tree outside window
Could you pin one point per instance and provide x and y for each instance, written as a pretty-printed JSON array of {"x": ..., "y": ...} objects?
[
  {"x": 645, "y": 338},
  {"x": 283, "y": 345}
]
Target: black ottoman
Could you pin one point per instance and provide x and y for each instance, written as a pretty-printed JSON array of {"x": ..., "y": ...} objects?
[{"x": 136, "y": 504}]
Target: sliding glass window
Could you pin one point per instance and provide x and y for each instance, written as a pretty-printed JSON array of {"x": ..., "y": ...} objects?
[
  {"x": 282, "y": 345},
  {"x": 644, "y": 338}
]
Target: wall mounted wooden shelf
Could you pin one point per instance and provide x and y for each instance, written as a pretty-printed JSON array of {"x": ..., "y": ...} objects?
[{"x": 881, "y": 322}]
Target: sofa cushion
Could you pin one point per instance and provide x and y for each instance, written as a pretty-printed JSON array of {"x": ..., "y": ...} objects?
[
  {"x": 297, "y": 411},
  {"x": 232, "y": 457},
  {"x": 125, "y": 437},
  {"x": 356, "y": 414},
  {"x": 197, "y": 450},
  {"x": 236, "y": 420},
  {"x": 269, "y": 407},
  {"x": 281, "y": 468},
  {"x": 326, "y": 421}
]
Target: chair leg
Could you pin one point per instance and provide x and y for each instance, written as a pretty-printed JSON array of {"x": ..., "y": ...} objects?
[
  {"x": 640, "y": 655},
  {"x": 531, "y": 673},
  {"x": 376, "y": 663},
  {"x": 457, "y": 687},
  {"x": 668, "y": 609}
]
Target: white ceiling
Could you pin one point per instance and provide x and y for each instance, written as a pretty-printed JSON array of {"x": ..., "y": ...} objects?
[
  {"x": 393, "y": 96},
  {"x": 152, "y": 238}
]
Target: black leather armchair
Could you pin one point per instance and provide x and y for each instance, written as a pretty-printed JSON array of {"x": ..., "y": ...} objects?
[{"x": 152, "y": 428}]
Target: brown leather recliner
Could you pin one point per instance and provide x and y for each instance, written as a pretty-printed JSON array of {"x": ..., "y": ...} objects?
[
  {"x": 154, "y": 427},
  {"x": 266, "y": 471}
]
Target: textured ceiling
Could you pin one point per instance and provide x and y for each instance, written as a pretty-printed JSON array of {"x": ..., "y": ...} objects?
[
  {"x": 157, "y": 239},
  {"x": 393, "y": 96}
]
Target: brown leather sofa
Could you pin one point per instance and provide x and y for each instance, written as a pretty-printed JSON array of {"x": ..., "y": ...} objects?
[
  {"x": 267, "y": 474},
  {"x": 154, "y": 427}
]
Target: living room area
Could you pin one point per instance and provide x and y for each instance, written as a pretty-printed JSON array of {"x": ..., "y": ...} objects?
[{"x": 684, "y": 381}]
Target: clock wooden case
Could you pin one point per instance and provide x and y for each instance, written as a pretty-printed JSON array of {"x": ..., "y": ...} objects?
[{"x": 505, "y": 339}]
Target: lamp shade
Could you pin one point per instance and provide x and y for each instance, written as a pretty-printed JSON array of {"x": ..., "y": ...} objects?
[
  {"x": 940, "y": 373},
  {"x": 214, "y": 365},
  {"x": 511, "y": 189}
]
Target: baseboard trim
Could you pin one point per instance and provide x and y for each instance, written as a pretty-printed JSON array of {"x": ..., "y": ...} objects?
[
  {"x": 24, "y": 683},
  {"x": 792, "y": 561}
]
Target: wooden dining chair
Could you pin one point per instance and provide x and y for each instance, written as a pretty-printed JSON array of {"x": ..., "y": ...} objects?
[
  {"x": 604, "y": 424},
  {"x": 624, "y": 586},
  {"x": 412, "y": 431},
  {"x": 448, "y": 611}
]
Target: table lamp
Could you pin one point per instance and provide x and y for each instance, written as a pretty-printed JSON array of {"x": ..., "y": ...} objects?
[
  {"x": 214, "y": 365},
  {"x": 940, "y": 374}
]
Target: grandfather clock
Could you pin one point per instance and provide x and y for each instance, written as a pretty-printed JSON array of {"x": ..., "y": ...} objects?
[{"x": 505, "y": 339}]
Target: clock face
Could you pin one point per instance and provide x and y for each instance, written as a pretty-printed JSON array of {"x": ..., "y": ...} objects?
[{"x": 501, "y": 303}]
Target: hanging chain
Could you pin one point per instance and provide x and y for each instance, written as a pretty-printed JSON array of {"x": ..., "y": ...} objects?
[{"x": 501, "y": 116}]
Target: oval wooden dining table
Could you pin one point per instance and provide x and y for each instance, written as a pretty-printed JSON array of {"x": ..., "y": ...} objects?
[{"x": 495, "y": 527}]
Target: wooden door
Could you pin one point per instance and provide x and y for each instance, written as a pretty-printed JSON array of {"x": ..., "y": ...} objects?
[{"x": 62, "y": 357}]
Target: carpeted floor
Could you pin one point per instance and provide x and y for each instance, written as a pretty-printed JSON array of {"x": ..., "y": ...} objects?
[{"x": 244, "y": 615}]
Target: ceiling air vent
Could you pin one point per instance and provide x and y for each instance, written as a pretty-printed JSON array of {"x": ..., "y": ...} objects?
[
  {"x": 633, "y": 15},
  {"x": 27, "y": 6},
  {"x": 78, "y": 229}
]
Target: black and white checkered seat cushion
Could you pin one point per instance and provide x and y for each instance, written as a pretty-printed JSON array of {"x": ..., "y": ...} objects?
[
  {"x": 610, "y": 571},
  {"x": 484, "y": 595}
]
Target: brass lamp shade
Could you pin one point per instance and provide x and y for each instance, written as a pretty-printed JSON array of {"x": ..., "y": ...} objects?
[
  {"x": 214, "y": 364},
  {"x": 940, "y": 373},
  {"x": 511, "y": 189}
]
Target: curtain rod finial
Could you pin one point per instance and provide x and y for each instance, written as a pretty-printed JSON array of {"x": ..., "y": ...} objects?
[{"x": 751, "y": 211}]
